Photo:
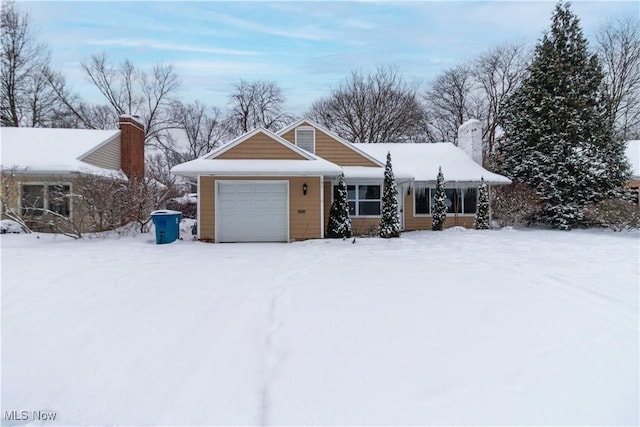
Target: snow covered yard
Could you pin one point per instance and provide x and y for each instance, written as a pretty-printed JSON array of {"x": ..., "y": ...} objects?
[{"x": 451, "y": 328}]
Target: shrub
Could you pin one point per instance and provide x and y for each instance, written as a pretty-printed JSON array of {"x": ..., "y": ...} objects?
[
  {"x": 515, "y": 204},
  {"x": 188, "y": 209},
  {"x": 616, "y": 214},
  {"x": 339, "y": 221},
  {"x": 440, "y": 204}
]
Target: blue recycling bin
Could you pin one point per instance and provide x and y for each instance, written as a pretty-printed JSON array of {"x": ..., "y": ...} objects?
[{"x": 167, "y": 225}]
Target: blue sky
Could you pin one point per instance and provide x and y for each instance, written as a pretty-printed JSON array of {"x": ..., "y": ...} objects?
[{"x": 306, "y": 47}]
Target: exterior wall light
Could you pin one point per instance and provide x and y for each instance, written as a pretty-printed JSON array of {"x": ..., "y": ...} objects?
[{"x": 304, "y": 188}]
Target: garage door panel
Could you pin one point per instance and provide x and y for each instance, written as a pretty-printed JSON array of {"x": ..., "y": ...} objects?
[{"x": 252, "y": 211}]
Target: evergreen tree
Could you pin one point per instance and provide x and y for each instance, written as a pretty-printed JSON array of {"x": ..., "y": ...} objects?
[
  {"x": 439, "y": 213},
  {"x": 339, "y": 221},
  {"x": 557, "y": 139},
  {"x": 389, "y": 221},
  {"x": 482, "y": 215}
]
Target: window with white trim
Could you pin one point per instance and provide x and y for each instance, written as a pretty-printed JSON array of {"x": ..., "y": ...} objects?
[
  {"x": 363, "y": 199},
  {"x": 459, "y": 200},
  {"x": 35, "y": 198},
  {"x": 306, "y": 139}
]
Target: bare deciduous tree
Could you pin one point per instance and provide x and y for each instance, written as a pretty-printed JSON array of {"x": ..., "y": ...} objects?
[
  {"x": 450, "y": 101},
  {"x": 618, "y": 45},
  {"x": 26, "y": 97},
  {"x": 256, "y": 104},
  {"x": 203, "y": 129},
  {"x": 498, "y": 72},
  {"x": 375, "y": 107},
  {"x": 127, "y": 90}
]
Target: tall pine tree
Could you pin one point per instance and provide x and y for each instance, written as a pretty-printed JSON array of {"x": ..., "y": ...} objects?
[
  {"x": 389, "y": 221},
  {"x": 482, "y": 215},
  {"x": 339, "y": 221},
  {"x": 439, "y": 213},
  {"x": 557, "y": 139}
]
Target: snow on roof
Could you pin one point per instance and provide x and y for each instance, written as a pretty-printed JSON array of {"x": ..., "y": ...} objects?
[
  {"x": 46, "y": 150},
  {"x": 368, "y": 172},
  {"x": 633, "y": 154},
  {"x": 228, "y": 167},
  {"x": 422, "y": 162}
]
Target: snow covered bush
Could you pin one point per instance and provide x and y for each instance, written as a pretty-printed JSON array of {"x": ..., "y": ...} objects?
[
  {"x": 389, "y": 220},
  {"x": 616, "y": 214},
  {"x": 482, "y": 214},
  {"x": 515, "y": 204},
  {"x": 10, "y": 226},
  {"x": 440, "y": 204},
  {"x": 339, "y": 221},
  {"x": 188, "y": 206}
]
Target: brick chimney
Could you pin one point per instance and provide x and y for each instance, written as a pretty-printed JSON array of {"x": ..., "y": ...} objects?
[
  {"x": 470, "y": 139},
  {"x": 132, "y": 146}
]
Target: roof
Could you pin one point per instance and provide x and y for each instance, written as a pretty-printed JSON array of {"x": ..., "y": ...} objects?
[
  {"x": 227, "y": 167},
  {"x": 367, "y": 172},
  {"x": 47, "y": 150},
  {"x": 210, "y": 165},
  {"x": 633, "y": 155},
  {"x": 423, "y": 160}
]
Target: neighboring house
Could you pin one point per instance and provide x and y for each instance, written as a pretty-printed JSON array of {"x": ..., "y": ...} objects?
[
  {"x": 45, "y": 164},
  {"x": 633, "y": 155},
  {"x": 279, "y": 187}
]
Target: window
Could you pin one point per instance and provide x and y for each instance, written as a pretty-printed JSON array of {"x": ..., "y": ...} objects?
[
  {"x": 422, "y": 200},
  {"x": 53, "y": 197},
  {"x": 32, "y": 200},
  {"x": 459, "y": 200},
  {"x": 306, "y": 139},
  {"x": 58, "y": 199},
  {"x": 364, "y": 200}
]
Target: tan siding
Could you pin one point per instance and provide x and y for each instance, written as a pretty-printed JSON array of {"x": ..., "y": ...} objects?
[
  {"x": 424, "y": 222},
  {"x": 634, "y": 183},
  {"x": 260, "y": 146},
  {"x": 330, "y": 149},
  {"x": 107, "y": 156},
  {"x": 305, "y": 225},
  {"x": 302, "y": 225},
  {"x": 206, "y": 220},
  {"x": 328, "y": 196}
]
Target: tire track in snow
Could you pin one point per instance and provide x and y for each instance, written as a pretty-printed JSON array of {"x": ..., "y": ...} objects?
[
  {"x": 275, "y": 351},
  {"x": 595, "y": 302}
]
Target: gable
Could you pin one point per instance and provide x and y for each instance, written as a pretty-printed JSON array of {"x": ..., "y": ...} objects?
[
  {"x": 260, "y": 146},
  {"x": 331, "y": 149},
  {"x": 106, "y": 155}
]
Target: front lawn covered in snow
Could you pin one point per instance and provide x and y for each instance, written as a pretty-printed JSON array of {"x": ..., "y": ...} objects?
[{"x": 454, "y": 327}]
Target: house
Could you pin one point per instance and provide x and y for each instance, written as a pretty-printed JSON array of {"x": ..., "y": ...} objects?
[
  {"x": 266, "y": 186},
  {"x": 44, "y": 165},
  {"x": 632, "y": 152}
]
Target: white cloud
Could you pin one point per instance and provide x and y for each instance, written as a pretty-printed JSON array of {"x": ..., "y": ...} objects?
[
  {"x": 150, "y": 44},
  {"x": 308, "y": 32}
]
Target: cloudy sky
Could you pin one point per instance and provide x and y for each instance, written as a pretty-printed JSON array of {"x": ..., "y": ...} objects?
[{"x": 306, "y": 47}]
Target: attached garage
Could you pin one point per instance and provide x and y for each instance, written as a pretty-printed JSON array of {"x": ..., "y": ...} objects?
[
  {"x": 252, "y": 211},
  {"x": 260, "y": 188}
]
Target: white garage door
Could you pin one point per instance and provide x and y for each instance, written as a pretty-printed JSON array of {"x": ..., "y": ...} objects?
[{"x": 252, "y": 211}]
